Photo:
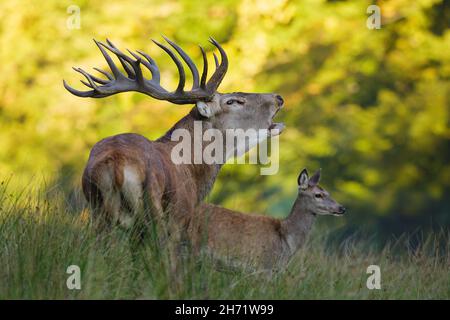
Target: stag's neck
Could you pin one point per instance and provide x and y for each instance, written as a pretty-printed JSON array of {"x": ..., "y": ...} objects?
[
  {"x": 187, "y": 122},
  {"x": 203, "y": 174},
  {"x": 297, "y": 225}
]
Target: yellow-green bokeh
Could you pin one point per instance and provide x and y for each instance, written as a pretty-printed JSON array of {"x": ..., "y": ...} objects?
[{"x": 371, "y": 107}]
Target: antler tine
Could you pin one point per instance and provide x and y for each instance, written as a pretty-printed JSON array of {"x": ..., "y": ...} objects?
[
  {"x": 134, "y": 80},
  {"x": 151, "y": 65},
  {"x": 87, "y": 76},
  {"x": 148, "y": 65},
  {"x": 122, "y": 60},
  {"x": 126, "y": 61},
  {"x": 91, "y": 85},
  {"x": 138, "y": 58},
  {"x": 205, "y": 69},
  {"x": 116, "y": 72},
  {"x": 78, "y": 93},
  {"x": 216, "y": 61},
  {"x": 136, "y": 72},
  {"x": 146, "y": 56},
  {"x": 96, "y": 79},
  {"x": 218, "y": 75},
  {"x": 106, "y": 74},
  {"x": 188, "y": 61},
  {"x": 99, "y": 80},
  {"x": 86, "y": 84},
  {"x": 177, "y": 61}
]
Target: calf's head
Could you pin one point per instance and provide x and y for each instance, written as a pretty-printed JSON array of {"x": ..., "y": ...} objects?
[{"x": 316, "y": 199}]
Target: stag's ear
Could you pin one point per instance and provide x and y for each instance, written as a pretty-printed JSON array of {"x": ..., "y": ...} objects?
[
  {"x": 303, "y": 179},
  {"x": 205, "y": 109},
  {"x": 314, "y": 180}
]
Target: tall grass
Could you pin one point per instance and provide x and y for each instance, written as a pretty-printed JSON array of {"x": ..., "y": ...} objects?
[{"x": 41, "y": 235}]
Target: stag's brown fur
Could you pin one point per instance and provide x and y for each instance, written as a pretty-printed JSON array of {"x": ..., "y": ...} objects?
[
  {"x": 177, "y": 188},
  {"x": 124, "y": 170}
]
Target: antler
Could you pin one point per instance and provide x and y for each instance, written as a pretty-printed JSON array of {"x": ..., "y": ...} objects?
[{"x": 134, "y": 80}]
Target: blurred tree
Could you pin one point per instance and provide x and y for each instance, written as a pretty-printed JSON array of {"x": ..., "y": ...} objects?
[{"x": 371, "y": 107}]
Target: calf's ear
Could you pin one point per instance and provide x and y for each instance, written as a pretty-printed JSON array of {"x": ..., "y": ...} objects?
[
  {"x": 303, "y": 179},
  {"x": 314, "y": 180}
]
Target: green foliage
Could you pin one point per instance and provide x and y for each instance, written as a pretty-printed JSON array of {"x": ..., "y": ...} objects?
[{"x": 371, "y": 107}]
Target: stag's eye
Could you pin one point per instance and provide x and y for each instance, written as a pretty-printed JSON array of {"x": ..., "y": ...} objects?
[
  {"x": 318, "y": 195},
  {"x": 232, "y": 101}
]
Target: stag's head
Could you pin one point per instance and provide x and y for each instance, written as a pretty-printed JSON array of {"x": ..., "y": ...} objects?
[
  {"x": 222, "y": 110},
  {"x": 316, "y": 199}
]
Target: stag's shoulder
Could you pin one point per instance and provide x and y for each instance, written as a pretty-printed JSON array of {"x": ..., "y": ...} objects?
[
  {"x": 122, "y": 148},
  {"x": 127, "y": 143},
  {"x": 123, "y": 139}
]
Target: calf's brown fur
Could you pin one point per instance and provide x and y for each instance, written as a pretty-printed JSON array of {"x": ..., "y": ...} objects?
[{"x": 261, "y": 242}]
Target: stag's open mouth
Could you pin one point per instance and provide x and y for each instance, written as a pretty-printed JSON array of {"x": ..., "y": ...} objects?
[{"x": 276, "y": 128}]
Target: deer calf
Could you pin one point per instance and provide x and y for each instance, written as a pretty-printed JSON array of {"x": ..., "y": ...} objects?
[{"x": 263, "y": 242}]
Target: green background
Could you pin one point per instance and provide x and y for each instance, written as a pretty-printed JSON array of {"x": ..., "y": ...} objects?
[{"x": 370, "y": 107}]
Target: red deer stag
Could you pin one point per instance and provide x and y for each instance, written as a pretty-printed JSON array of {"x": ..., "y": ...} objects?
[{"x": 126, "y": 171}]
